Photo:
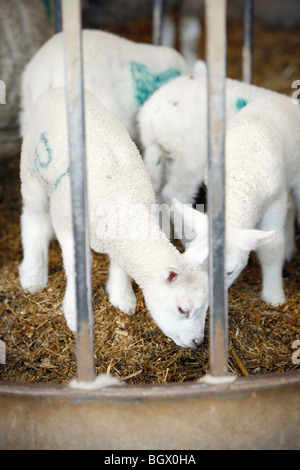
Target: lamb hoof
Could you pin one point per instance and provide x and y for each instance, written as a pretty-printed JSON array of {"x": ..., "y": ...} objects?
[
  {"x": 290, "y": 252},
  {"x": 32, "y": 282},
  {"x": 274, "y": 300},
  {"x": 69, "y": 311},
  {"x": 125, "y": 303},
  {"x": 70, "y": 317},
  {"x": 71, "y": 322}
]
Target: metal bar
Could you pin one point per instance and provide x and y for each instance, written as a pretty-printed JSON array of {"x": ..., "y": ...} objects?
[
  {"x": 215, "y": 14},
  {"x": 247, "y": 59},
  {"x": 58, "y": 25},
  {"x": 71, "y": 10},
  {"x": 157, "y": 19}
]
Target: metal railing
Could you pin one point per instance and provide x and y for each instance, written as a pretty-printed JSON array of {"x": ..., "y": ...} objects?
[
  {"x": 215, "y": 15},
  {"x": 247, "y": 62},
  {"x": 157, "y": 21},
  {"x": 71, "y": 20}
]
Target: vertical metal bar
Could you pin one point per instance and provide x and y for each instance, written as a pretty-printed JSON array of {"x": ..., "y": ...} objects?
[
  {"x": 215, "y": 15},
  {"x": 58, "y": 26},
  {"x": 157, "y": 19},
  {"x": 247, "y": 56},
  {"x": 71, "y": 10}
]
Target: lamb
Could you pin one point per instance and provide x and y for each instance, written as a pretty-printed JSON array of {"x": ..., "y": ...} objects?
[
  {"x": 122, "y": 74},
  {"x": 262, "y": 171},
  {"x": 117, "y": 179},
  {"x": 173, "y": 133}
]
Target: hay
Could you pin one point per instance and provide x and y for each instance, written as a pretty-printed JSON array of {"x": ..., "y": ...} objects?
[{"x": 39, "y": 346}]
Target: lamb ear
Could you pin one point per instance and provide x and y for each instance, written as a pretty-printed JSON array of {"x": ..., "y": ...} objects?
[
  {"x": 251, "y": 239},
  {"x": 198, "y": 250},
  {"x": 188, "y": 222},
  {"x": 171, "y": 274}
]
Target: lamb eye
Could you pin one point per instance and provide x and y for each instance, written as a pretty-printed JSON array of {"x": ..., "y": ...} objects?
[
  {"x": 230, "y": 272},
  {"x": 184, "y": 312}
]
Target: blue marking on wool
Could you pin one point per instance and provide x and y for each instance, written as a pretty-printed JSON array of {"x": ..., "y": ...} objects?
[
  {"x": 41, "y": 165},
  {"x": 37, "y": 160},
  {"x": 240, "y": 103},
  {"x": 147, "y": 83},
  {"x": 58, "y": 180}
]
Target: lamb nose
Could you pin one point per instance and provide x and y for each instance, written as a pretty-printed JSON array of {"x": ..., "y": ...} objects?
[{"x": 197, "y": 342}]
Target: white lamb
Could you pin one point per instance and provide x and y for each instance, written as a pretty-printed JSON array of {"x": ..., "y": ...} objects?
[
  {"x": 121, "y": 73},
  {"x": 173, "y": 133},
  {"x": 173, "y": 287},
  {"x": 262, "y": 170}
]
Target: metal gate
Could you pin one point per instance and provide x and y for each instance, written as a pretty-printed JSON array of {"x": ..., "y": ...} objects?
[{"x": 219, "y": 411}]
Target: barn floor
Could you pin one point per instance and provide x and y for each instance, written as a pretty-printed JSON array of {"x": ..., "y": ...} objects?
[{"x": 40, "y": 348}]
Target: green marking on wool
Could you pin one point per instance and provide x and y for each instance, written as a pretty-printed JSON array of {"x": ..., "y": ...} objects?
[
  {"x": 240, "y": 103},
  {"x": 146, "y": 83}
]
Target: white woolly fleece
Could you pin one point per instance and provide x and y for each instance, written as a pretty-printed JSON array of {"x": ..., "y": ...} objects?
[
  {"x": 262, "y": 163},
  {"x": 121, "y": 73},
  {"x": 262, "y": 157},
  {"x": 117, "y": 180},
  {"x": 173, "y": 132}
]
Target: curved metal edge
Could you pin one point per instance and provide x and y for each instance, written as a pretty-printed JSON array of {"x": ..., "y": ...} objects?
[
  {"x": 250, "y": 413},
  {"x": 161, "y": 391}
]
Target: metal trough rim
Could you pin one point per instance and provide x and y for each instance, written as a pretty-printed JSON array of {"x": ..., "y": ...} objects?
[
  {"x": 250, "y": 413},
  {"x": 140, "y": 391}
]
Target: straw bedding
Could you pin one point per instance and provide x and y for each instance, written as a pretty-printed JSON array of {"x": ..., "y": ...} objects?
[{"x": 39, "y": 346}]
